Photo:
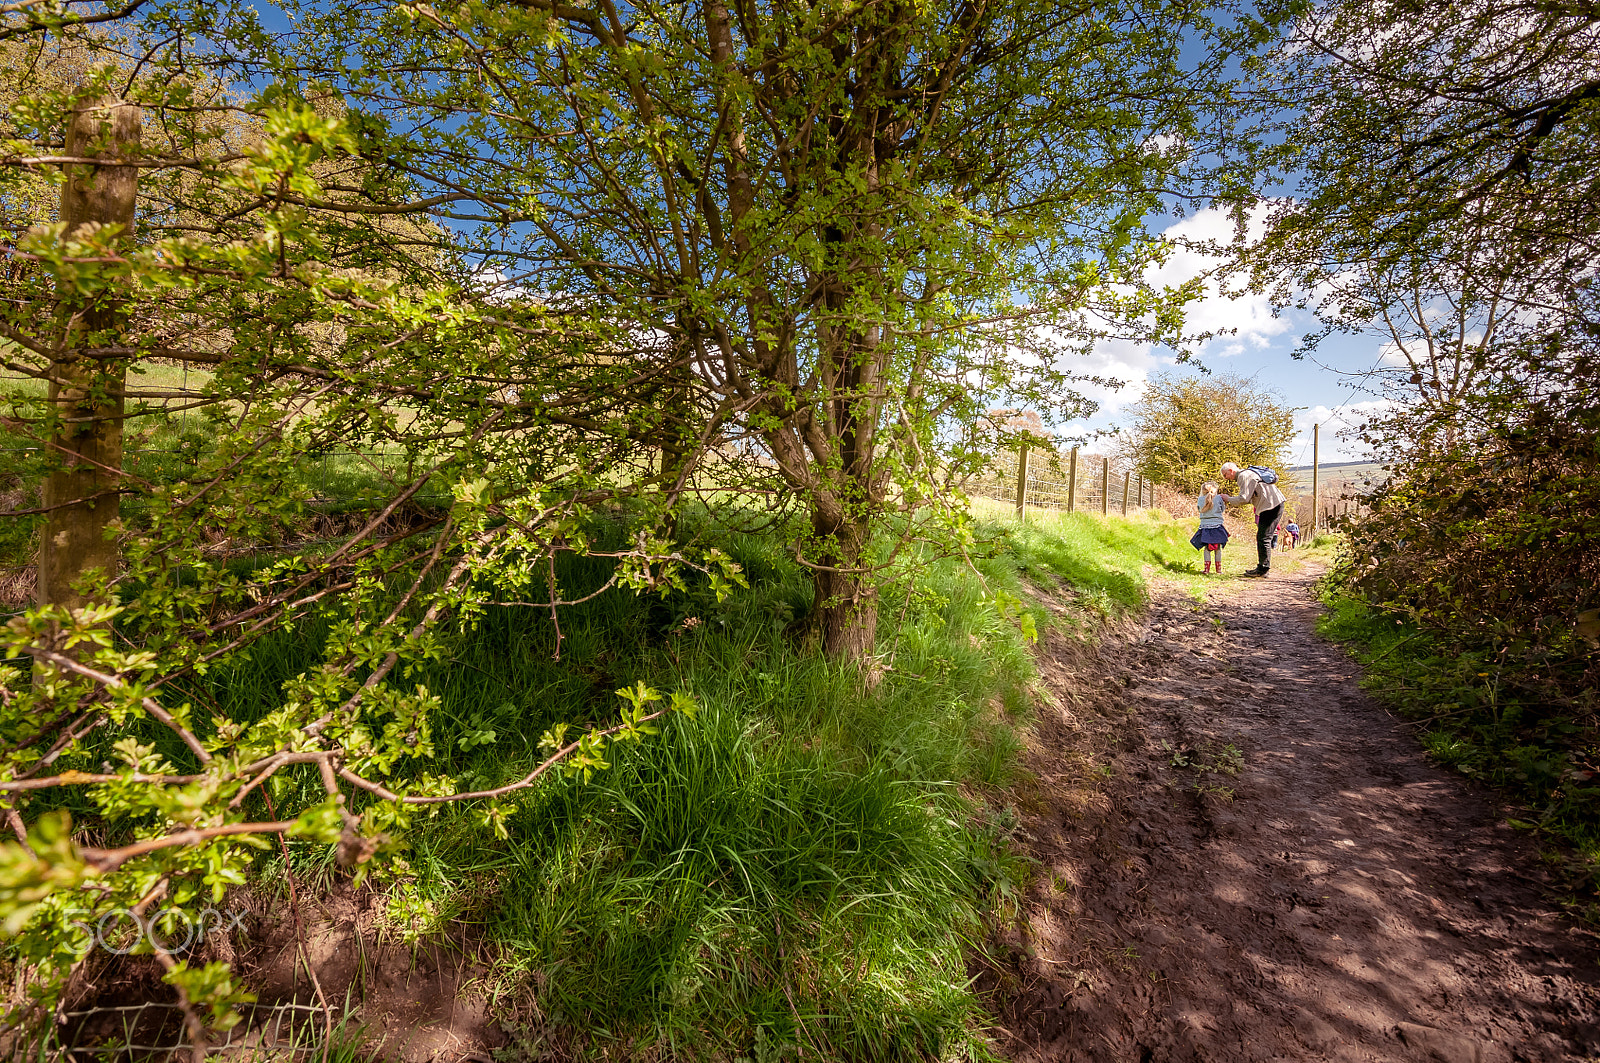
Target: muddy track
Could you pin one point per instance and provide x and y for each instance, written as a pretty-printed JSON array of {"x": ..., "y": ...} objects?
[{"x": 1242, "y": 857}]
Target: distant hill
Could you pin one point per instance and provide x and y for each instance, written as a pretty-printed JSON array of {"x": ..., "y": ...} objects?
[
  {"x": 1354, "y": 473},
  {"x": 1339, "y": 484}
]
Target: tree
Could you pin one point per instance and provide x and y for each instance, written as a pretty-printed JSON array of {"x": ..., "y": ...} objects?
[
  {"x": 97, "y": 200},
  {"x": 1185, "y": 428},
  {"x": 1443, "y": 199},
  {"x": 1418, "y": 130},
  {"x": 854, "y": 222},
  {"x": 528, "y": 259},
  {"x": 1442, "y": 323}
]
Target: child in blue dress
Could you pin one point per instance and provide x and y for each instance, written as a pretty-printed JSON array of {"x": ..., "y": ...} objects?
[{"x": 1212, "y": 536}]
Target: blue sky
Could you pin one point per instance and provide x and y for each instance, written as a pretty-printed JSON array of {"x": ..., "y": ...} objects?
[
  {"x": 1328, "y": 391},
  {"x": 1259, "y": 349}
]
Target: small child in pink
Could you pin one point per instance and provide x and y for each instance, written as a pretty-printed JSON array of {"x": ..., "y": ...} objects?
[{"x": 1212, "y": 536}]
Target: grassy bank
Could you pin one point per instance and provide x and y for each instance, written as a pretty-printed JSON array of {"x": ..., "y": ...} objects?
[
  {"x": 1473, "y": 715},
  {"x": 804, "y": 865}
]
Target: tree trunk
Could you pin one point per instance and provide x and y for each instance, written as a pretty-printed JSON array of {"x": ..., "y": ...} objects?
[
  {"x": 844, "y": 611},
  {"x": 677, "y": 437},
  {"x": 80, "y": 495}
]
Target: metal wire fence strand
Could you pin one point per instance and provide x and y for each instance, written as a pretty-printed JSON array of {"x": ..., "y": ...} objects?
[
  {"x": 251, "y": 1033},
  {"x": 1095, "y": 488}
]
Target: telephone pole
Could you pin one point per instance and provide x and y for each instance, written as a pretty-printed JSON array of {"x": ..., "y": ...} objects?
[{"x": 1316, "y": 470}]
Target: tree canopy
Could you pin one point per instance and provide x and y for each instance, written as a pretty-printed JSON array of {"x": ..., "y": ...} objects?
[
  {"x": 1415, "y": 127},
  {"x": 1437, "y": 161}
]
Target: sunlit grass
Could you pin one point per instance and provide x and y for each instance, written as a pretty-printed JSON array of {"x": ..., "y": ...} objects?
[
  {"x": 1107, "y": 558},
  {"x": 807, "y": 863}
]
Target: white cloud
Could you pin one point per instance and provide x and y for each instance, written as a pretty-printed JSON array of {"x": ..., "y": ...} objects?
[
  {"x": 1243, "y": 323},
  {"x": 1114, "y": 359},
  {"x": 1338, "y": 439},
  {"x": 1123, "y": 360},
  {"x": 1124, "y": 364},
  {"x": 1392, "y": 354},
  {"x": 1242, "y": 320},
  {"x": 498, "y": 288}
]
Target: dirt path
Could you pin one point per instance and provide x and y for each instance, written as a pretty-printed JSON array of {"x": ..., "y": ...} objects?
[{"x": 1257, "y": 863}]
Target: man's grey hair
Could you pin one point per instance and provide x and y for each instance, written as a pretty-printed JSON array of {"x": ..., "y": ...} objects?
[{"x": 1230, "y": 466}]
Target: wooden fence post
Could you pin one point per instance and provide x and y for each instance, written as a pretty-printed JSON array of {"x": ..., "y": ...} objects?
[
  {"x": 1125, "y": 477},
  {"x": 1072, "y": 483},
  {"x": 1105, "y": 486},
  {"x": 1022, "y": 483},
  {"x": 86, "y": 388}
]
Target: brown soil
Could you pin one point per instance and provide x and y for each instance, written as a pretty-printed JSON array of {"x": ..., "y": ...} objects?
[
  {"x": 1254, "y": 862},
  {"x": 404, "y": 1004},
  {"x": 415, "y": 1003}
]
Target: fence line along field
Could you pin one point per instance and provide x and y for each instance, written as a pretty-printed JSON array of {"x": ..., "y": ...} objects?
[{"x": 1073, "y": 481}]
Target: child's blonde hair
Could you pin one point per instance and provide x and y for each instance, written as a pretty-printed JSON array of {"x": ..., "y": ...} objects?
[{"x": 1210, "y": 499}]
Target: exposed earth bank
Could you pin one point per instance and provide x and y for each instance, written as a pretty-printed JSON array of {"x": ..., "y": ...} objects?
[{"x": 1255, "y": 862}]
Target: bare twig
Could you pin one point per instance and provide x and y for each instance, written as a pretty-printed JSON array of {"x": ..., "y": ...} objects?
[
  {"x": 14, "y": 821},
  {"x": 84, "y": 778},
  {"x": 150, "y": 704},
  {"x": 554, "y": 619},
  {"x": 108, "y": 860}
]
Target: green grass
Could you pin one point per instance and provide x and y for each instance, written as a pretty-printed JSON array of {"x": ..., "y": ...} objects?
[
  {"x": 1105, "y": 560},
  {"x": 1472, "y": 720},
  {"x": 807, "y": 864}
]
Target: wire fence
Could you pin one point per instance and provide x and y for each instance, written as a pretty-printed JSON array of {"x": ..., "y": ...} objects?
[
  {"x": 1076, "y": 480},
  {"x": 1067, "y": 481},
  {"x": 329, "y": 474},
  {"x": 1073, "y": 480},
  {"x": 118, "y": 1031}
]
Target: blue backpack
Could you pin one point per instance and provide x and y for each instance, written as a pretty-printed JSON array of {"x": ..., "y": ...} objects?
[{"x": 1266, "y": 474}]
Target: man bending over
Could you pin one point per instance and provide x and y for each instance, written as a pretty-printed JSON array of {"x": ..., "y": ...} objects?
[{"x": 1268, "y": 503}]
